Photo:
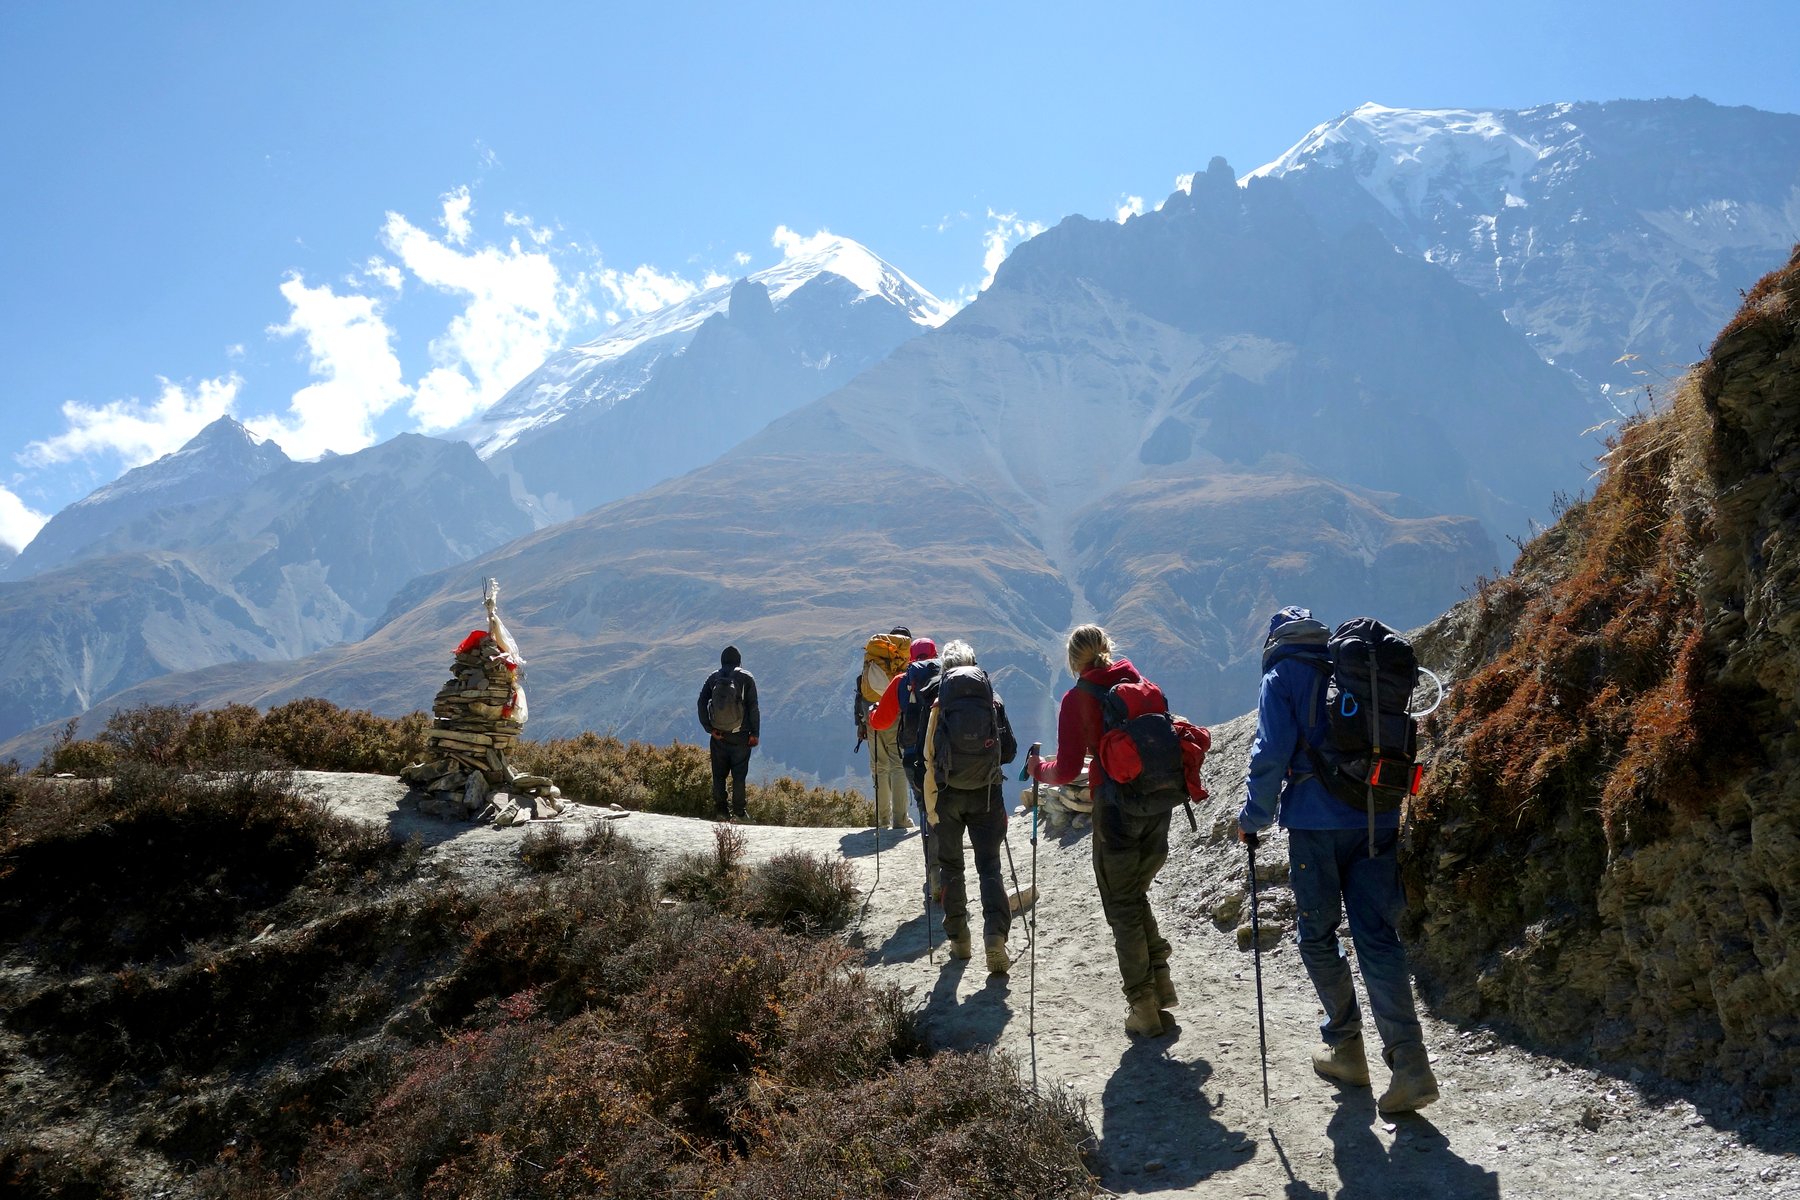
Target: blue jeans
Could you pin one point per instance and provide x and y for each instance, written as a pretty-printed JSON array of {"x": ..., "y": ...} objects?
[{"x": 1333, "y": 875}]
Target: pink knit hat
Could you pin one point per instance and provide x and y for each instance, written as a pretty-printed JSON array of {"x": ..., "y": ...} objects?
[{"x": 923, "y": 648}]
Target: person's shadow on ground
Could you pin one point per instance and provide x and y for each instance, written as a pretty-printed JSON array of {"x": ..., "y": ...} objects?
[
  {"x": 1157, "y": 1131},
  {"x": 1419, "y": 1163},
  {"x": 972, "y": 1022}
]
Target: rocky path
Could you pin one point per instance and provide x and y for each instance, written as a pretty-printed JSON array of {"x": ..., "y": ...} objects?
[{"x": 1182, "y": 1115}]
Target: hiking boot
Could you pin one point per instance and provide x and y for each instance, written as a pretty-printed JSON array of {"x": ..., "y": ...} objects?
[
  {"x": 997, "y": 958},
  {"x": 1344, "y": 1062},
  {"x": 959, "y": 945},
  {"x": 1144, "y": 1019},
  {"x": 1413, "y": 1086},
  {"x": 1165, "y": 989}
]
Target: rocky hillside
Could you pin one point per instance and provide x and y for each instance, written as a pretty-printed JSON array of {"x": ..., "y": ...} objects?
[{"x": 1609, "y": 846}]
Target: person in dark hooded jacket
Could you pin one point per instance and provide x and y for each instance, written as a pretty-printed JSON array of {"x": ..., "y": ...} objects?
[
  {"x": 1128, "y": 849},
  {"x": 732, "y": 719}
]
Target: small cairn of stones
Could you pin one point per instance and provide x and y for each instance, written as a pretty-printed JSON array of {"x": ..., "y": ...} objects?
[
  {"x": 1062, "y": 806},
  {"x": 476, "y": 719}
]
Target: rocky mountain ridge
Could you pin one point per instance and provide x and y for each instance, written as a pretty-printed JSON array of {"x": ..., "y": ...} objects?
[{"x": 1624, "y": 230}]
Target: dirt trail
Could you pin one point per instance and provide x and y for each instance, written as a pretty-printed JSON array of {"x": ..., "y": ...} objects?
[{"x": 1182, "y": 1115}]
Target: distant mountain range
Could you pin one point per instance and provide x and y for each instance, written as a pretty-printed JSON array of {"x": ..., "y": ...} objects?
[
  {"x": 243, "y": 555},
  {"x": 1307, "y": 386},
  {"x": 666, "y": 392}
]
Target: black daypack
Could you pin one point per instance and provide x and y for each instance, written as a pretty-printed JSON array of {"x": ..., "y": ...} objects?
[
  {"x": 1370, "y": 758},
  {"x": 1139, "y": 755},
  {"x": 921, "y": 681},
  {"x": 725, "y": 709},
  {"x": 967, "y": 753}
]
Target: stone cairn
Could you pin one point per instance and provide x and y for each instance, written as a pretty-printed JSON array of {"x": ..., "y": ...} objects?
[{"x": 476, "y": 719}]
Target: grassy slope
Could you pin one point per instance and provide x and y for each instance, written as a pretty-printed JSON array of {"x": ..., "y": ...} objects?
[{"x": 1612, "y": 825}]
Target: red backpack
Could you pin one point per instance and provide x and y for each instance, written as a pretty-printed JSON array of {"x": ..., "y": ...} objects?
[{"x": 1151, "y": 758}]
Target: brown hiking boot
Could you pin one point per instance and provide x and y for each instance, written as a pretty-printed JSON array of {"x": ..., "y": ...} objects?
[
  {"x": 997, "y": 958},
  {"x": 1144, "y": 1019},
  {"x": 958, "y": 946},
  {"x": 1165, "y": 989},
  {"x": 1344, "y": 1062},
  {"x": 1413, "y": 1085}
]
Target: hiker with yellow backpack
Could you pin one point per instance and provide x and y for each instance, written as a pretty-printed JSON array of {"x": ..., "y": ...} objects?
[{"x": 884, "y": 658}]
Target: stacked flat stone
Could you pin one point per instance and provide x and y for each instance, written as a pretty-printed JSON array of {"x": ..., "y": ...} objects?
[{"x": 465, "y": 774}]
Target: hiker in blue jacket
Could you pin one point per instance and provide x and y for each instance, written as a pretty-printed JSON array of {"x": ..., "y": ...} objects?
[{"x": 1333, "y": 872}]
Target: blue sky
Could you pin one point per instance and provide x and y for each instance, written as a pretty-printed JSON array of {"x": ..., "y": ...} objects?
[{"x": 339, "y": 221}]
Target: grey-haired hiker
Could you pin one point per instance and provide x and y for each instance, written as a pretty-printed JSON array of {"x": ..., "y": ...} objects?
[
  {"x": 967, "y": 740},
  {"x": 1333, "y": 873},
  {"x": 733, "y": 720}
]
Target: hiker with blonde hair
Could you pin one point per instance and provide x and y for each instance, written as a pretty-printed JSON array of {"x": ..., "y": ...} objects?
[
  {"x": 967, "y": 740},
  {"x": 1130, "y": 847}
]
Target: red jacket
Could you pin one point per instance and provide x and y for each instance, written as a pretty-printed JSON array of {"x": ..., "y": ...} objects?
[{"x": 1079, "y": 724}]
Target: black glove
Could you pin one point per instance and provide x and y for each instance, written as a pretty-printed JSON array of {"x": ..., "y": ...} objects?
[{"x": 1248, "y": 837}]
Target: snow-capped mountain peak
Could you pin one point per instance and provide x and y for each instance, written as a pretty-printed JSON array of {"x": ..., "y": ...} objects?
[
  {"x": 600, "y": 373},
  {"x": 1407, "y": 157}
]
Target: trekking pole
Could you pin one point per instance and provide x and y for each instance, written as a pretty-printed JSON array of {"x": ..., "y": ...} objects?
[
  {"x": 925, "y": 840},
  {"x": 1031, "y": 1005},
  {"x": 1262, "y": 1040}
]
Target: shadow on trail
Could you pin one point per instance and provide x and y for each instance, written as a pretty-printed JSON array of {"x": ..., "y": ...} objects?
[
  {"x": 1297, "y": 1188},
  {"x": 860, "y": 843},
  {"x": 1158, "y": 1133},
  {"x": 972, "y": 1022},
  {"x": 1419, "y": 1163},
  {"x": 905, "y": 943}
]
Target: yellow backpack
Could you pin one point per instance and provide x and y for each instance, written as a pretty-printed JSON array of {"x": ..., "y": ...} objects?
[{"x": 884, "y": 656}]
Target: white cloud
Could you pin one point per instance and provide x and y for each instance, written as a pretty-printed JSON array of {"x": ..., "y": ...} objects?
[
  {"x": 741, "y": 259},
  {"x": 540, "y": 235},
  {"x": 1185, "y": 183},
  {"x": 456, "y": 216},
  {"x": 518, "y": 308},
  {"x": 19, "y": 523},
  {"x": 350, "y": 349},
  {"x": 135, "y": 431},
  {"x": 235, "y": 350},
  {"x": 644, "y": 290},
  {"x": 997, "y": 241},
  {"x": 1131, "y": 206},
  {"x": 792, "y": 245},
  {"x": 714, "y": 279},
  {"x": 384, "y": 272}
]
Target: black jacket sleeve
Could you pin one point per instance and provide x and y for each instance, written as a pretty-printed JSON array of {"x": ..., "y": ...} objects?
[
  {"x": 706, "y": 700},
  {"x": 752, "y": 718},
  {"x": 1009, "y": 745}
]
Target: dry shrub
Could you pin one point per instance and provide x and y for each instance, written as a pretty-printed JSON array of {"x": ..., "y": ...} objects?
[
  {"x": 748, "y": 1063},
  {"x": 34, "y": 1170},
  {"x": 952, "y": 1125},
  {"x": 677, "y": 779},
  {"x": 801, "y": 892},
  {"x": 157, "y": 858},
  {"x": 717, "y": 878},
  {"x": 788, "y": 801},
  {"x": 316, "y": 735}
]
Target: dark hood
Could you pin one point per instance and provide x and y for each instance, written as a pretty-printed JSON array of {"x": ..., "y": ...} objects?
[{"x": 729, "y": 657}]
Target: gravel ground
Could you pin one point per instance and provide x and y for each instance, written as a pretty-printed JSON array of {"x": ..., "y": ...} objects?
[{"x": 1183, "y": 1114}]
